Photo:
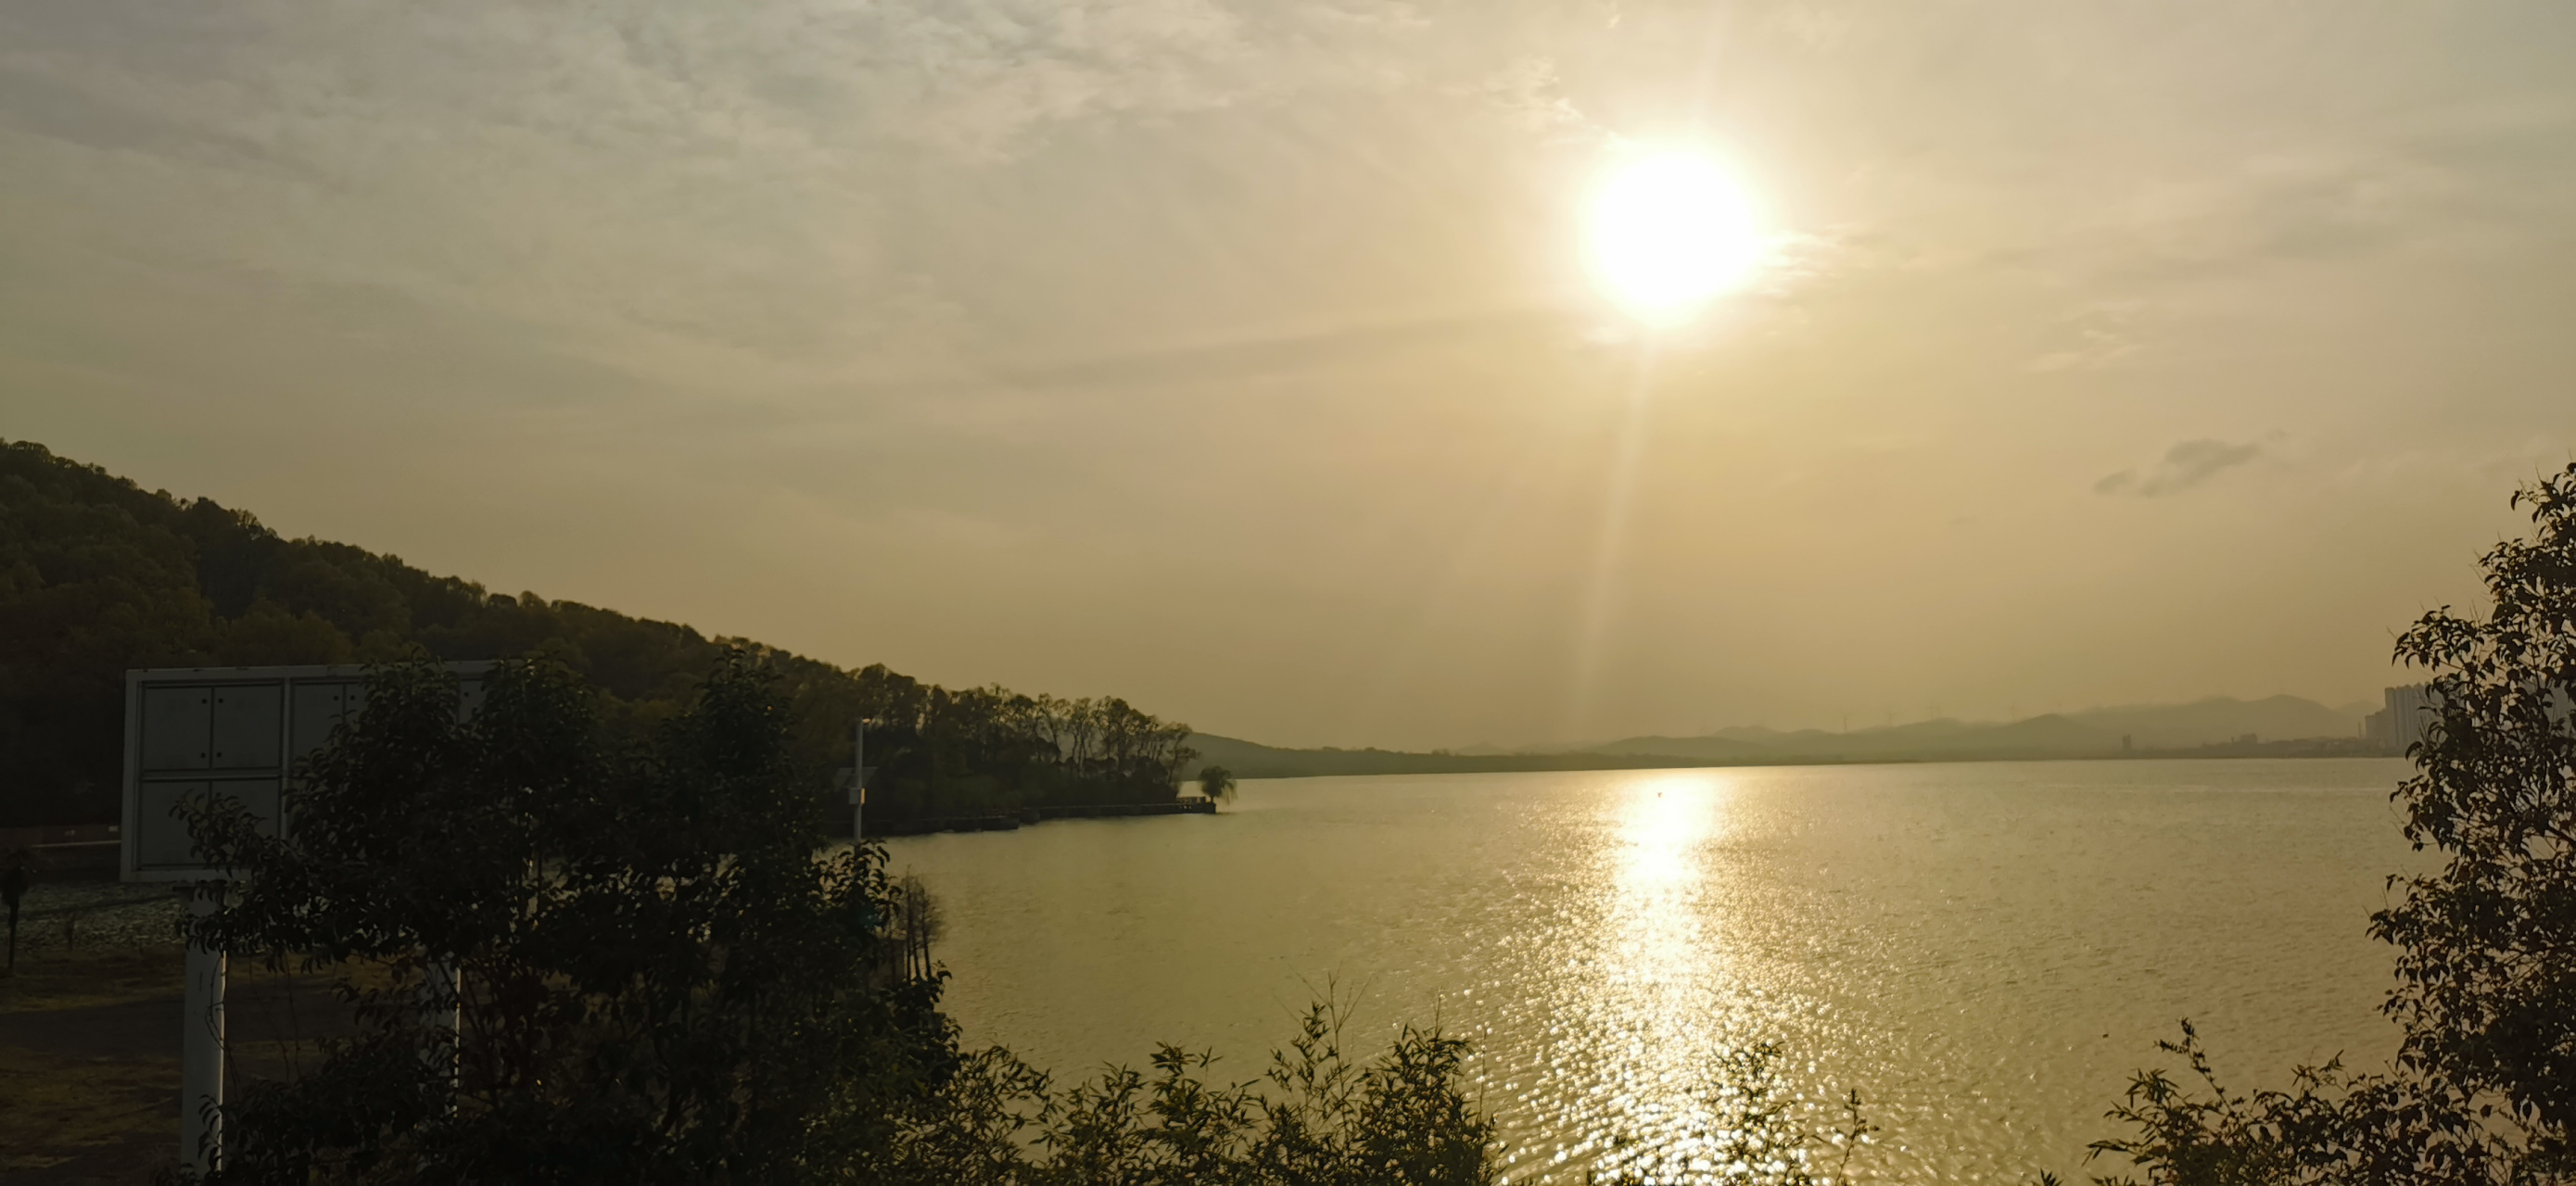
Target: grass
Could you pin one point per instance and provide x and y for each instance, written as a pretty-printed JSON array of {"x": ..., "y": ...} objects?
[
  {"x": 70, "y": 1115},
  {"x": 55, "y": 1106},
  {"x": 52, "y": 979}
]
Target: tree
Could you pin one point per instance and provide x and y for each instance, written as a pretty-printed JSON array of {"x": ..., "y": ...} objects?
[
  {"x": 664, "y": 977},
  {"x": 1216, "y": 782},
  {"x": 2484, "y": 1086},
  {"x": 2487, "y": 965}
]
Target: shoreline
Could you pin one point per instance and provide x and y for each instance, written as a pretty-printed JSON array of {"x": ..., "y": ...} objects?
[{"x": 1367, "y": 763}]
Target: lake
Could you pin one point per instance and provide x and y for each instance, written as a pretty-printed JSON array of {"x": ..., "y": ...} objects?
[{"x": 1985, "y": 950}]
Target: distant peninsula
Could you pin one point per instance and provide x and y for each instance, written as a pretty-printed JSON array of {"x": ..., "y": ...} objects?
[{"x": 99, "y": 575}]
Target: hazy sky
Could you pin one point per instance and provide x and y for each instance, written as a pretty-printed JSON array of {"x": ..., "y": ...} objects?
[{"x": 1240, "y": 359}]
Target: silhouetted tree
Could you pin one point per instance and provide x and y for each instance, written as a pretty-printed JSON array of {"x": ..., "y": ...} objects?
[
  {"x": 1216, "y": 782},
  {"x": 2484, "y": 1087},
  {"x": 2487, "y": 946}
]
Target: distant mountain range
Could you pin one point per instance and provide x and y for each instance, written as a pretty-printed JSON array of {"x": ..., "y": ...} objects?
[{"x": 2284, "y": 726}]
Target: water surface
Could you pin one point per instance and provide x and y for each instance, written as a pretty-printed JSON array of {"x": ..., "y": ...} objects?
[{"x": 1985, "y": 951}]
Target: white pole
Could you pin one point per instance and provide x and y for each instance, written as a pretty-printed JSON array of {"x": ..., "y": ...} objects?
[
  {"x": 442, "y": 1013},
  {"x": 201, "y": 1053}
]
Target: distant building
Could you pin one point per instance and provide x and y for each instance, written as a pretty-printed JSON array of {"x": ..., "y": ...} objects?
[{"x": 2401, "y": 724}]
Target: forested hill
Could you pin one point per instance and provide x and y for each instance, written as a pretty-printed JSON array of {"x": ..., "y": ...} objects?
[{"x": 98, "y": 575}]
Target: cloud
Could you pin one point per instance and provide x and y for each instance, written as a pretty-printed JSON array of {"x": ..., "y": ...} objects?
[
  {"x": 2095, "y": 339},
  {"x": 1277, "y": 353},
  {"x": 1530, "y": 93},
  {"x": 2187, "y": 464}
]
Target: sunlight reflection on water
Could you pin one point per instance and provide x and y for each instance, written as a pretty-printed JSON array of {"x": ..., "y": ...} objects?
[{"x": 1983, "y": 951}]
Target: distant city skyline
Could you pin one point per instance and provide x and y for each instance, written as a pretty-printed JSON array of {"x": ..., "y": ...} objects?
[{"x": 1245, "y": 362}]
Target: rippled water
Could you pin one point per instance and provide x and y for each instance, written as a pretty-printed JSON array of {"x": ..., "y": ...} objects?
[{"x": 1985, "y": 951}]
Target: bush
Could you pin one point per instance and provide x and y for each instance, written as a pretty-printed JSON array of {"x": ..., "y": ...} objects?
[
  {"x": 1747, "y": 1130},
  {"x": 1315, "y": 1119}
]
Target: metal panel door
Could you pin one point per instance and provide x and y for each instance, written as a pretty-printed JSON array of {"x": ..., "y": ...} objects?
[
  {"x": 161, "y": 839},
  {"x": 177, "y": 728},
  {"x": 318, "y": 707},
  {"x": 246, "y": 722},
  {"x": 259, "y": 795}
]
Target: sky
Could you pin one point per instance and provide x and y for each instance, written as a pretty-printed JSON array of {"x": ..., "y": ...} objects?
[{"x": 1242, "y": 359}]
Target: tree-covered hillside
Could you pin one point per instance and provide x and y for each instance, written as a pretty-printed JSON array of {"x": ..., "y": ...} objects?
[{"x": 98, "y": 575}]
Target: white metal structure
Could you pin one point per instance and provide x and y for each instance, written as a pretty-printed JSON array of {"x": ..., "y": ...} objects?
[
  {"x": 237, "y": 732},
  {"x": 229, "y": 731}
]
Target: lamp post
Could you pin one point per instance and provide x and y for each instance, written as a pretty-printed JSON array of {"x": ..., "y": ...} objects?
[{"x": 858, "y": 781}]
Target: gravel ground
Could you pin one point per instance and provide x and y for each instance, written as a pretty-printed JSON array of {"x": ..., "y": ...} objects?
[{"x": 99, "y": 914}]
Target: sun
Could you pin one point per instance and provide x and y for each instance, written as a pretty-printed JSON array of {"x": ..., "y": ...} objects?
[{"x": 1669, "y": 231}]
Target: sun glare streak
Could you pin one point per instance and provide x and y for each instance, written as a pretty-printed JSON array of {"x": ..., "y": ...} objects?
[
  {"x": 1669, "y": 231},
  {"x": 1601, "y": 584}
]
